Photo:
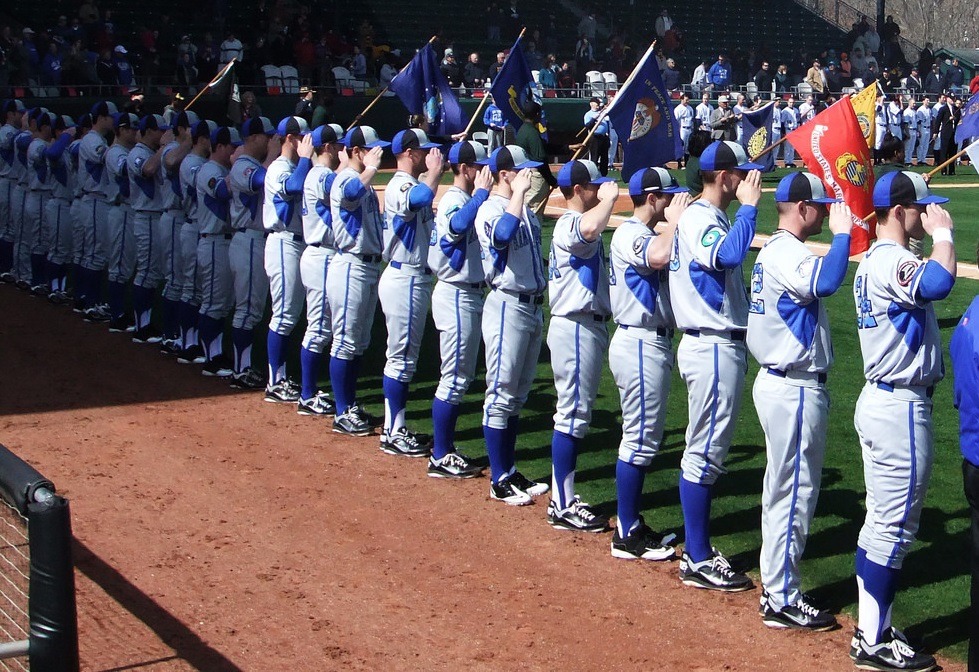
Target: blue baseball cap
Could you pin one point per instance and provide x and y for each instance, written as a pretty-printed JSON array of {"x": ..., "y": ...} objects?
[
  {"x": 292, "y": 126},
  {"x": 44, "y": 119},
  {"x": 125, "y": 120},
  {"x": 412, "y": 138},
  {"x": 185, "y": 119},
  {"x": 802, "y": 187},
  {"x": 363, "y": 136},
  {"x": 203, "y": 129},
  {"x": 327, "y": 134},
  {"x": 726, "y": 155},
  {"x": 648, "y": 180},
  {"x": 580, "y": 172},
  {"x": 257, "y": 126},
  {"x": 226, "y": 135},
  {"x": 903, "y": 188},
  {"x": 63, "y": 122},
  {"x": 85, "y": 121},
  {"x": 104, "y": 108},
  {"x": 152, "y": 122},
  {"x": 13, "y": 105},
  {"x": 468, "y": 151},
  {"x": 510, "y": 157}
]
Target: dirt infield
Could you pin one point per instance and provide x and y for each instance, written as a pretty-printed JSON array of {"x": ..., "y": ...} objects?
[{"x": 217, "y": 532}]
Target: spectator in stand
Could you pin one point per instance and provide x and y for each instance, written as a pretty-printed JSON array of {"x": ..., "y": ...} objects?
[
  {"x": 548, "y": 74},
  {"x": 51, "y": 66},
  {"x": 834, "y": 81},
  {"x": 231, "y": 48},
  {"x": 321, "y": 110},
  {"x": 816, "y": 78},
  {"x": 913, "y": 83},
  {"x": 513, "y": 20},
  {"x": 783, "y": 80},
  {"x": 974, "y": 85},
  {"x": 88, "y": 13},
  {"x": 699, "y": 79},
  {"x": 105, "y": 69},
  {"x": 495, "y": 68},
  {"x": 187, "y": 47},
  {"x": 933, "y": 82},
  {"x": 323, "y": 67},
  {"x": 671, "y": 76},
  {"x": 532, "y": 56},
  {"x": 75, "y": 68},
  {"x": 258, "y": 55},
  {"x": 472, "y": 74},
  {"x": 207, "y": 64},
  {"x": 763, "y": 80},
  {"x": 587, "y": 26},
  {"x": 845, "y": 69},
  {"x": 358, "y": 64},
  {"x": 584, "y": 55},
  {"x": 859, "y": 62},
  {"x": 120, "y": 61},
  {"x": 660, "y": 56},
  {"x": 30, "y": 59},
  {"x": 451, "y": 69},
  {"x": 954, "y": 77},
  {"x": 388, "y": 71},
  {"x": 250, "y": 108},
  {"x": 565, "y": 81},
  {"x": 304, "y": 55},
  {"x": 719, "y": 75},
  {"x": 495, "y": 126},
  {"x": 890, "y": 29},
  {"x": 494, "y": 22},
  {"x": 663, "y": 24},
  {"x": 926, "y": 58},
  {"x": 304, "y": 108},
  {"x": 187, "y": 74},
  {"x": 147, "y": 40}
]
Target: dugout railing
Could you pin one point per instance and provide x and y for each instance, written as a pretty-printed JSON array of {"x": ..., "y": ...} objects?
[{"x": 38, "y": 619}]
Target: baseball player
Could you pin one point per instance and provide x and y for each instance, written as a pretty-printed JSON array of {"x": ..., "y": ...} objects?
[
  {"x": 13, "y": 112},
  {"x": 213, "y": 265},
  {"x": 901, "y": 346},
  {"x": 880, "y": 122},
  {"x": 405, "y": 287},
  {"x": 577, "y": 335},
  {"x": 171, "y": 222},
  {"x": 22, "y": 142},
  {"x": 35, "y": 243},
  {"x": 777, "y": 131},
  {"x": 121, "y": 262},
  {"x": 281, "y": 211},
  {"x": 91, "y": 246},
  {"x": 641, "y": 352},
  {"x": 910, "y": 124},
  {"x": 788, "y": 333},
  {"x": 351, "y": 285},
  {"x": 247, "y": 252},
  {"x": 190, "y": 296},
  {"x": 75, "y": 211},
  {"x": 790, "y": 122},
  {"x": 146, "y": 197},
  {"x": 895, "y": 118},
  {"x": 685, "y": 117},
  {"x": 57, "y": 220},
  {"x": 314, "y": 267},
  {"x": 510, "y": 242},
  {"x": 923, "y": 118},
  {"x": 711, "y": 307},
  {"x": 703, "y": 112},
  {"x": 457, "y": 301}
]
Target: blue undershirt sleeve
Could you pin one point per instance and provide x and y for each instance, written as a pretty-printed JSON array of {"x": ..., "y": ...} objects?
[
  {"x": 58, "y": 147},
  {"x": 735, "y": 245},
  {"x": 465, "y": 216},
  {"x": 420, "y": 196},
  {"x": 294, "y": 185},
  {"x": 257, "y": 183},
  {"x": 505, "y": 228},
  {"x": 936, "y": 282},
  {"x": 832, "y": 270}
]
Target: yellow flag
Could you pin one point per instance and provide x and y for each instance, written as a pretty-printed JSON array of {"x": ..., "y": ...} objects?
[{"x": 864, "y": 104}]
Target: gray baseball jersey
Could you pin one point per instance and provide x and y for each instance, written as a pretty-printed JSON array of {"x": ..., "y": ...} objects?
[
  {"x": 640, "y": 296},
  {"x": 317, "y": 216},
  {"x": 408, "y": 220},
  {"x": 455, "y": 256},
  {"x": 517, "y": 267},
  {"x": 145, "y": 193},
  {"x": 357, "y": 220},
  {"x": 248, "y": 194},
  {"x": 91, "y": 154}
]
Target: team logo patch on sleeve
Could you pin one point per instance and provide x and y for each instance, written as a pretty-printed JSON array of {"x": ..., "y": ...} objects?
[
  {"x": 905, "y": 272},
  {"x": 711, "y": 236},
  {"x": 212, "y": 183},
  {"x": 638, "y": 245}
]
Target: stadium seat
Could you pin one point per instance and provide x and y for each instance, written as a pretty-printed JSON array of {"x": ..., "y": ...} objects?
[
  {"x": 290, "y": 79},
  {"x": 345, "y": 80},
  {"x": 611, "y": 81},
  {"x": 481, "y": 137},
  {"x": 751, "y": 90},
  {"x": 594, "y": 84},
  {"x": 273, "y": 78}
]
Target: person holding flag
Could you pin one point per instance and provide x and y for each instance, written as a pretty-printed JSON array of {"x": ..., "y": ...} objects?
[{"x": 425, "y": 91}]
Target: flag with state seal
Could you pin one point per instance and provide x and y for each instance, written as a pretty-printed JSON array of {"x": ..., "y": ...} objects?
[
  {"x": 969, "y": 126},
  {"x": 642, "y": 115},
  {"x": 757, "y": 135},
  {"x": 833, "y": 147},
  {"x": 863, "y": 106},
  {"x": 514, "y": 86},
  {"x": 424, "y": 90}
]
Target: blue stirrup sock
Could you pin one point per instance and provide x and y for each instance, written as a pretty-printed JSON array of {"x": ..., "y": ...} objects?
[
  {"x": 38, "y": 269},
  {"x": 395, "y": 400},
  {"x": 277, "y": 344},
  {"x": 876, "y": 588},
  {"x": 309, "y": 361},
  {"x": 210, "y": 335},
  {"x": 142, "y": 306},
  {"x": 695, "y": 502},
  {"x": 496, "y": 449},
  {"x": 242, "y": 340},
  {"x": 171, "y": 320},
  {"x": 117, "y": 299},
  {"x": 564, "y": 458},
  {"x": 629, "y": 480},
  {"x": 340, "y": 372},
  {"x": 444, "y": 418},
  {"x": 6, "y": 255}
]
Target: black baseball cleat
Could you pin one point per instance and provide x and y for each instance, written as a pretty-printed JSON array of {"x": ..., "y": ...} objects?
[
  {"x": 643, "y": 543},
  {"x": 192, "y": 355},
  {"x": 892, "y": 652},
  {"x": 505, "y": 492},
  {"x": 7, "y": 277},
  {"x": 320, "y": 405},
  {"x": 404, "y": 443},
  {"x": 714, "y": 573},
  {"x": 249, "y": 379},
  {"x": 170, "y": 346},
  {"x": 350, "y": 423},
  {"x": 147, "y": 335},
  {"x": 218, "y": 367},
  {"x": 121, "y": 324},
  {"x": 453, "y": 465},
  {"x": 578, "y": 517},
  {"x": 96, "y": 315},
  {"x": 524, "y": 484},
  {"x": 803, "y": 615},
  {"x": 283, "y": 392}
]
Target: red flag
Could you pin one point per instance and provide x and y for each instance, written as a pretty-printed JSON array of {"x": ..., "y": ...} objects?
[{"x": 833, "y": 148}]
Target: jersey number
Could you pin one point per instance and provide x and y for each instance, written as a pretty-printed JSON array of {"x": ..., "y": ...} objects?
[{"x": 865, "y": 316}]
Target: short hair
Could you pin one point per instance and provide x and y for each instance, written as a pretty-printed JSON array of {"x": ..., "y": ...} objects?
[
  {"x": 455, "y": 168},
  {"x": 567, "y": 192},
  {"x": 699, "y": 140},
  {"x": 531, "y": 110},
  {"x": 890, "y": 147},
  {"x": 639, "y": 200},
  {"x": 709, "y": 176}
]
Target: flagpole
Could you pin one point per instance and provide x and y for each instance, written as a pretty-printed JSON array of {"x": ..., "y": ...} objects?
[
  {"x": 207, "y": 88},
  {"x": 772, "y": 146},
  {"x": 486, "y": 95},
  {"x": 937, "y": 168},
  {"x": 383, "y": 91}
]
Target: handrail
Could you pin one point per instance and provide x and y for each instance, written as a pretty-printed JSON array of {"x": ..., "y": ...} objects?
[{"x": 840, "y": 13}]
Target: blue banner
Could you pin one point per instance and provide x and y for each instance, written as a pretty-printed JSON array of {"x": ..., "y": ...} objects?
[
  {"x": 513, "y": 86},
  {"x": 424, "y": 90},
  {"x": 969, "y": 126},
  {"x": 757, "y": 135},
  {"x": 642, "y": 115}
]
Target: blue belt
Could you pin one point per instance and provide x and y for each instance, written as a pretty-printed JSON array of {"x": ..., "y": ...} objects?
[
  {"x": 778, "y": 373},
  {"x": 660, "y": 331},
  {"x": 399, "y": 265},
  {"x": 737, "y": 335},
  {"x": 929, "y": 391}
]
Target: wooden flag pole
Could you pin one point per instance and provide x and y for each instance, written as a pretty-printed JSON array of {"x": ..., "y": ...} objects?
[
  {"x": 207, "y": 88},
  {"x": 383, "y": 91},
  {"x": 949, "y": 162},
  {"x": 770, "y": 148},
  {"x": 486, "y": 97}
]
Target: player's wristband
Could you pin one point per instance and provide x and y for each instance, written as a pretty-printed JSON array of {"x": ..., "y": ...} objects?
[
  {"x": 374, "y": 168},
  {"x": 942, "y": 235}
]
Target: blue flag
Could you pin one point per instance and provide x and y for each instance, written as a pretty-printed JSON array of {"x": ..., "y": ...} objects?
[
  {"x": 424, "y": 90},
  {"x": 757, "y": 135},
  {"x": 969, "y": 126},
  {"x": 642, "y": 115},
  {"x": 513, "y": 86}
]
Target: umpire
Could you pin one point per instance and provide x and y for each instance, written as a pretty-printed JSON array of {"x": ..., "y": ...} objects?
[{"x": 964, "y": 348}]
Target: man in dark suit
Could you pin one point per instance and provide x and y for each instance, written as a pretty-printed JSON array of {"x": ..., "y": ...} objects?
[{"x": 945, "y": 124}]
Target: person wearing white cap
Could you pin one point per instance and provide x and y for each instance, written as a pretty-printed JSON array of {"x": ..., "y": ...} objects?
[
  {"x": 13, "y": 111},
  {"x": 122, "y": 67},
  {"x": 457, "y": 301},
  {"x": 723, "y": 120},
  {"x": 405, "y": 287},
  {"x": 510, "y": 239}
]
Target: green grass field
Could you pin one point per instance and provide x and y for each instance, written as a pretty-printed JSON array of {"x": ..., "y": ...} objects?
[{"x": 933, "y": 601}]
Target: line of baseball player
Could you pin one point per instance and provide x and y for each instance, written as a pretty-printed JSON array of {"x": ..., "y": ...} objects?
[{"x": 291, "y": 215}]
